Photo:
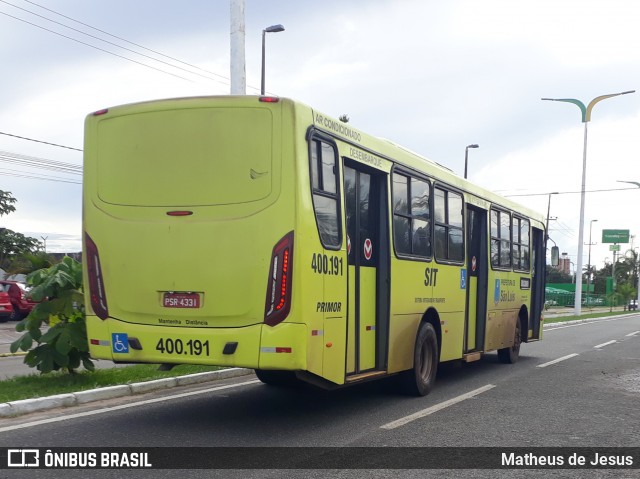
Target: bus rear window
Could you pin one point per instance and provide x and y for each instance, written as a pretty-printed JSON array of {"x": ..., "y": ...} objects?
[{"x": 218, "y": 156}]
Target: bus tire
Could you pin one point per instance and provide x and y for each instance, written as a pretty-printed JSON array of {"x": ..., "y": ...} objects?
[
  {"x": 277, "y": 378},
  {"x": 419, "y": 380},
  {"x": 510, "y": 355}
]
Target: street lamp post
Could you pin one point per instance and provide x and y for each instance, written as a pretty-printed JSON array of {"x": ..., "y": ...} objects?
[
  {"x": 271, "y": 29},
  {"x": 638, "y": 256},
  {"x": 589, "y": 261},
  {"x": 586, "y": 117},
  {"x": 466, "y": 157},
  {"x": 546, "y": 236}
]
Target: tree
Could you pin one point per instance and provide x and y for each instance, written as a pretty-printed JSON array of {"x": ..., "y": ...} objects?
[
  {"x": 14, "y": 244},
  {"x": 29, "y": 262},
  {"x": 626, "y": 292},
  {"x": 64, "y": 345},
  {"x": 556, "y": 276},
  {"x": 6, "y": 203}
]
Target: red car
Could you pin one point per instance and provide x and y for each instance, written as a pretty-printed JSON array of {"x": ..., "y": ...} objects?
[
  {"x": 6, "y": 309},
  {"x": 17, "y": 293}
]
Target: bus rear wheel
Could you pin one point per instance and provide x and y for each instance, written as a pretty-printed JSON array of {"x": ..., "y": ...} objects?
[
  {"x": 510, "y": 355},
  {"x": 277, "y": 378},
  {"x": 419, "y": 380}
]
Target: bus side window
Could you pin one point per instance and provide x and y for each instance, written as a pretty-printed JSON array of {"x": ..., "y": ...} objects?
[
  {"x": 323, "y": 166},
  {"x": 500, "y": 239},
  {"x": 521, "y": 260},
  {"x": 448, "y": 225},
  {"x": 411, "y": 216}
]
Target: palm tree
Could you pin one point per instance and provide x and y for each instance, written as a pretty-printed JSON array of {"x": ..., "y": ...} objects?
[{"x": 626, "y": 292}]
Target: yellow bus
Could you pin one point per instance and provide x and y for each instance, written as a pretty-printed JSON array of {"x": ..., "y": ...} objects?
[{"x": 258, "y": 232}]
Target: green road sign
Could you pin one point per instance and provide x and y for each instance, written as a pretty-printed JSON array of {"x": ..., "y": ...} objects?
[
  {"x": 615, "y": 236},
  {"x": 614, "y": 247}
]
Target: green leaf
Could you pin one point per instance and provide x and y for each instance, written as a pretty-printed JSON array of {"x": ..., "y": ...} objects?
[
  {"x": 23, "y": 343},
  {"x": 31, "y": 359},
  {"x": 88, "y": 364},
  {"x": 15, "y": 345},
  {"x": 78, "y": 336},
  {"x": 46, "y": 364},
  {"x": 21, "y": 326},
  {"x": 51, "y": 335},
  {"x": 26, "y": 342},
  {"x": 63, "y": 344},
  {"x": 60, "y": 358}
]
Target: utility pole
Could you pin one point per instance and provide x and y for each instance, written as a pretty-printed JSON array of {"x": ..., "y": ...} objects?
[{"x": 237, "y": 57}]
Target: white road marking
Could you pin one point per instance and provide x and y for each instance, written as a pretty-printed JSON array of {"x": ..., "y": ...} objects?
[
  {"x": 605, "y": 344},
  {"x": 565, "y": 326},
  {"x": 633, "y": 334},
  {"x": 123, "y": 406},
  {"x": 437, "y": 407},
  {"x": 555, "y": 361}
]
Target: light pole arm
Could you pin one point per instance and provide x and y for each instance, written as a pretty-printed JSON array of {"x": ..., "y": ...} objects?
[{"x": 586, "y": 115}]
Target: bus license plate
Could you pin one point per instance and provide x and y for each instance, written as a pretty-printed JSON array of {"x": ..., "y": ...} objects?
[{"x": 181, "y": 300}]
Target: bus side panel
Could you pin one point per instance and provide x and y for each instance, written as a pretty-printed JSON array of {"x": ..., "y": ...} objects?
[
  {"x": 505, "y": 298},
  {"x": 450, "y": 298},
  {"x": 409, "y": 301},
  {"x": 284, "y": 347},
  {"x": 334, "y": 304},
  {"x": 320, "y": 281},
  {"x": 367, "y": 350}
]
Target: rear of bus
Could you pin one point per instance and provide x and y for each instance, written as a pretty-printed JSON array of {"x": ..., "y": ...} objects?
[{"x": 188, "y": 226}]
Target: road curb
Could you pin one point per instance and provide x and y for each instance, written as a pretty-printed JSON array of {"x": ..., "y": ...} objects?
[
  {"x": 26, "y": 406},
  {"x": 8, "y": 355}
]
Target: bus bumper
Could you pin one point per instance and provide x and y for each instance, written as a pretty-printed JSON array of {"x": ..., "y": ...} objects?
[{"x": 257, "y": 346}]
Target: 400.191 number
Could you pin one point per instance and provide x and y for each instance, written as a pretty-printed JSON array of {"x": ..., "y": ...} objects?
[
  {"x": 325, "y": 264},
  {"x": 193, "y": 347}
]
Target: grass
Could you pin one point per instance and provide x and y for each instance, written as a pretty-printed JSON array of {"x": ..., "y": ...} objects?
[{"x": 42, "y": 385}]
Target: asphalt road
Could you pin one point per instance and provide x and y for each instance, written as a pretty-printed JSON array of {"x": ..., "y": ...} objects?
[{"x": 590, "y": 398}]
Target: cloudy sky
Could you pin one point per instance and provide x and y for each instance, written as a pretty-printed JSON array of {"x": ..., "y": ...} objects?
[{"x": 433, "y": 76}]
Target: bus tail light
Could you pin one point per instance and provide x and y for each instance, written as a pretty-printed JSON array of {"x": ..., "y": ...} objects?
[
  {"x": 96, "y": 283},
  {"x": 278, "y": 303}
]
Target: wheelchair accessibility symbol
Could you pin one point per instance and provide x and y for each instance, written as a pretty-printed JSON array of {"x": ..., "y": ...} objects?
[{"x": 120, "y": 343}]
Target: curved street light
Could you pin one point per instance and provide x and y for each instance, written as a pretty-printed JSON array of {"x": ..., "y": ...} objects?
[
  {"x": 586, "y": 118},
  {"x": 466, "y": 157},
  {"x": 271, "y": 29}
]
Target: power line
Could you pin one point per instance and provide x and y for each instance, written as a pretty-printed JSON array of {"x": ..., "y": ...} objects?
[
  {"x": 95, "y": 47},
  {"x": 40, "y": 141},
  {"x": 34, "y": 176},
  {"x": 112, "y": 43},
  {"x": 227, "y": 79},
  {"x": 40, "y": 163}
]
